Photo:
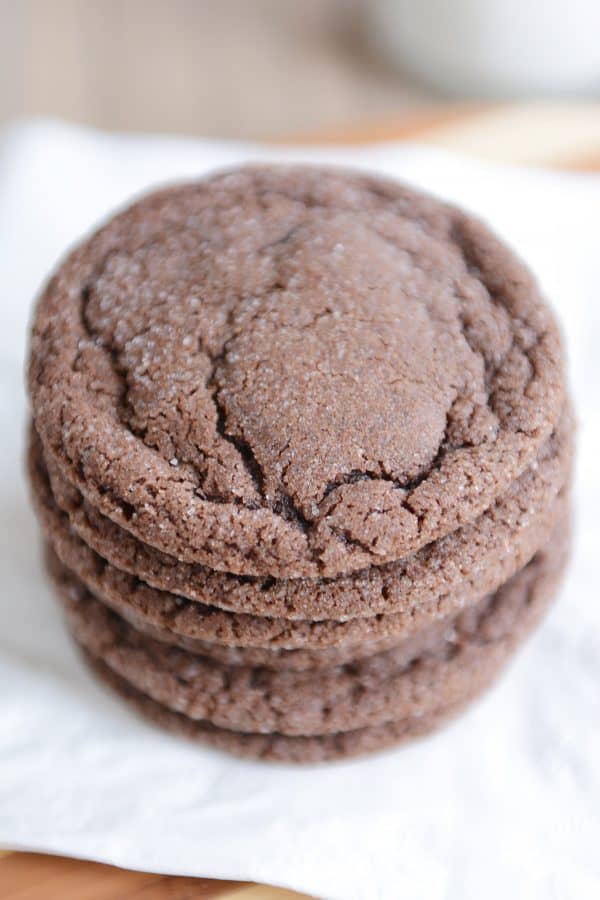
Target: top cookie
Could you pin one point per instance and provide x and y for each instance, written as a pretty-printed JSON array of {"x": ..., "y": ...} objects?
[{"x": 293, "y": 371}]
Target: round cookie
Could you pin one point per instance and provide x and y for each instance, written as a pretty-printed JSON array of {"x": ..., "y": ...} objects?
[
  {"x": 72, "y": 587},
  {"x": 382, "y": 688},
  {"x": 278, "y": 747},
  {"x": 298, "y": 643},
  {"x": 293, "y": 371},
  {"x": 435, "y": 582}
]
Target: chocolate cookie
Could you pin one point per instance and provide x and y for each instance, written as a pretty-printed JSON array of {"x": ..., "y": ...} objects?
[
  {"x": 292, "y": 371},
  {"x": 386, "y": 687},
  {"x": 198, "y": 627},
  {"x": 71, "y": 585},
  {"x": 435, "y": 582},
  {"x": 279, "y": 747}
]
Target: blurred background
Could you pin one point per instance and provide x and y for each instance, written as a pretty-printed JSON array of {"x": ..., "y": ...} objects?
[
  {"x": 232, "y": 68},
  {"x": 282, "y": 68}
]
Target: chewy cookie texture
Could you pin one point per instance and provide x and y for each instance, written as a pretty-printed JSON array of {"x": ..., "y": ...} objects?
[{"x": 300, "y": 451}]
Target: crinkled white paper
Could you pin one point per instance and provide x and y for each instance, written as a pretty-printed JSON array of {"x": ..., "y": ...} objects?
[{"x": 504, "y": 803}]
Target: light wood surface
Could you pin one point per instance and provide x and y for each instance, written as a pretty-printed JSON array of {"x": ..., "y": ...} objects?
[
  {"x": 566, "y": 137},
  {"x": 33, "y": 876},
  {"x": 556, "y": 135}
]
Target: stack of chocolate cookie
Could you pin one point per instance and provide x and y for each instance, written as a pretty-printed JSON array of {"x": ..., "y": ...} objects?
[{"x": 300, "y": 452}]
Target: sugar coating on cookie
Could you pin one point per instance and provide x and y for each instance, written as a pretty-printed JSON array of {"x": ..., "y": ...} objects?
[
  {"x": 382, "y": 602},
  {"x": 292, "y": 371},
  {"x": 389, "y": 686}
]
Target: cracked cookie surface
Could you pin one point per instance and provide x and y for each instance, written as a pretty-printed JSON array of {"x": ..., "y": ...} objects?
[
  {"x": 293, "y": 372},
  {"x": 279, "y": 747},
  {"x": 389, "y": 686},
  {"x": 376, "y": 603}
]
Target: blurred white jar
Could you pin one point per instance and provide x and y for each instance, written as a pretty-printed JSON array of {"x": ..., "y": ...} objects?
[{"x": 494, "y": 47}]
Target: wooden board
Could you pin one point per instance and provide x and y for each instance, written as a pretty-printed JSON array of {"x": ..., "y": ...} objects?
[
  {"x": 551, "y": 135},
  {"x": 556, "y": 135}
]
